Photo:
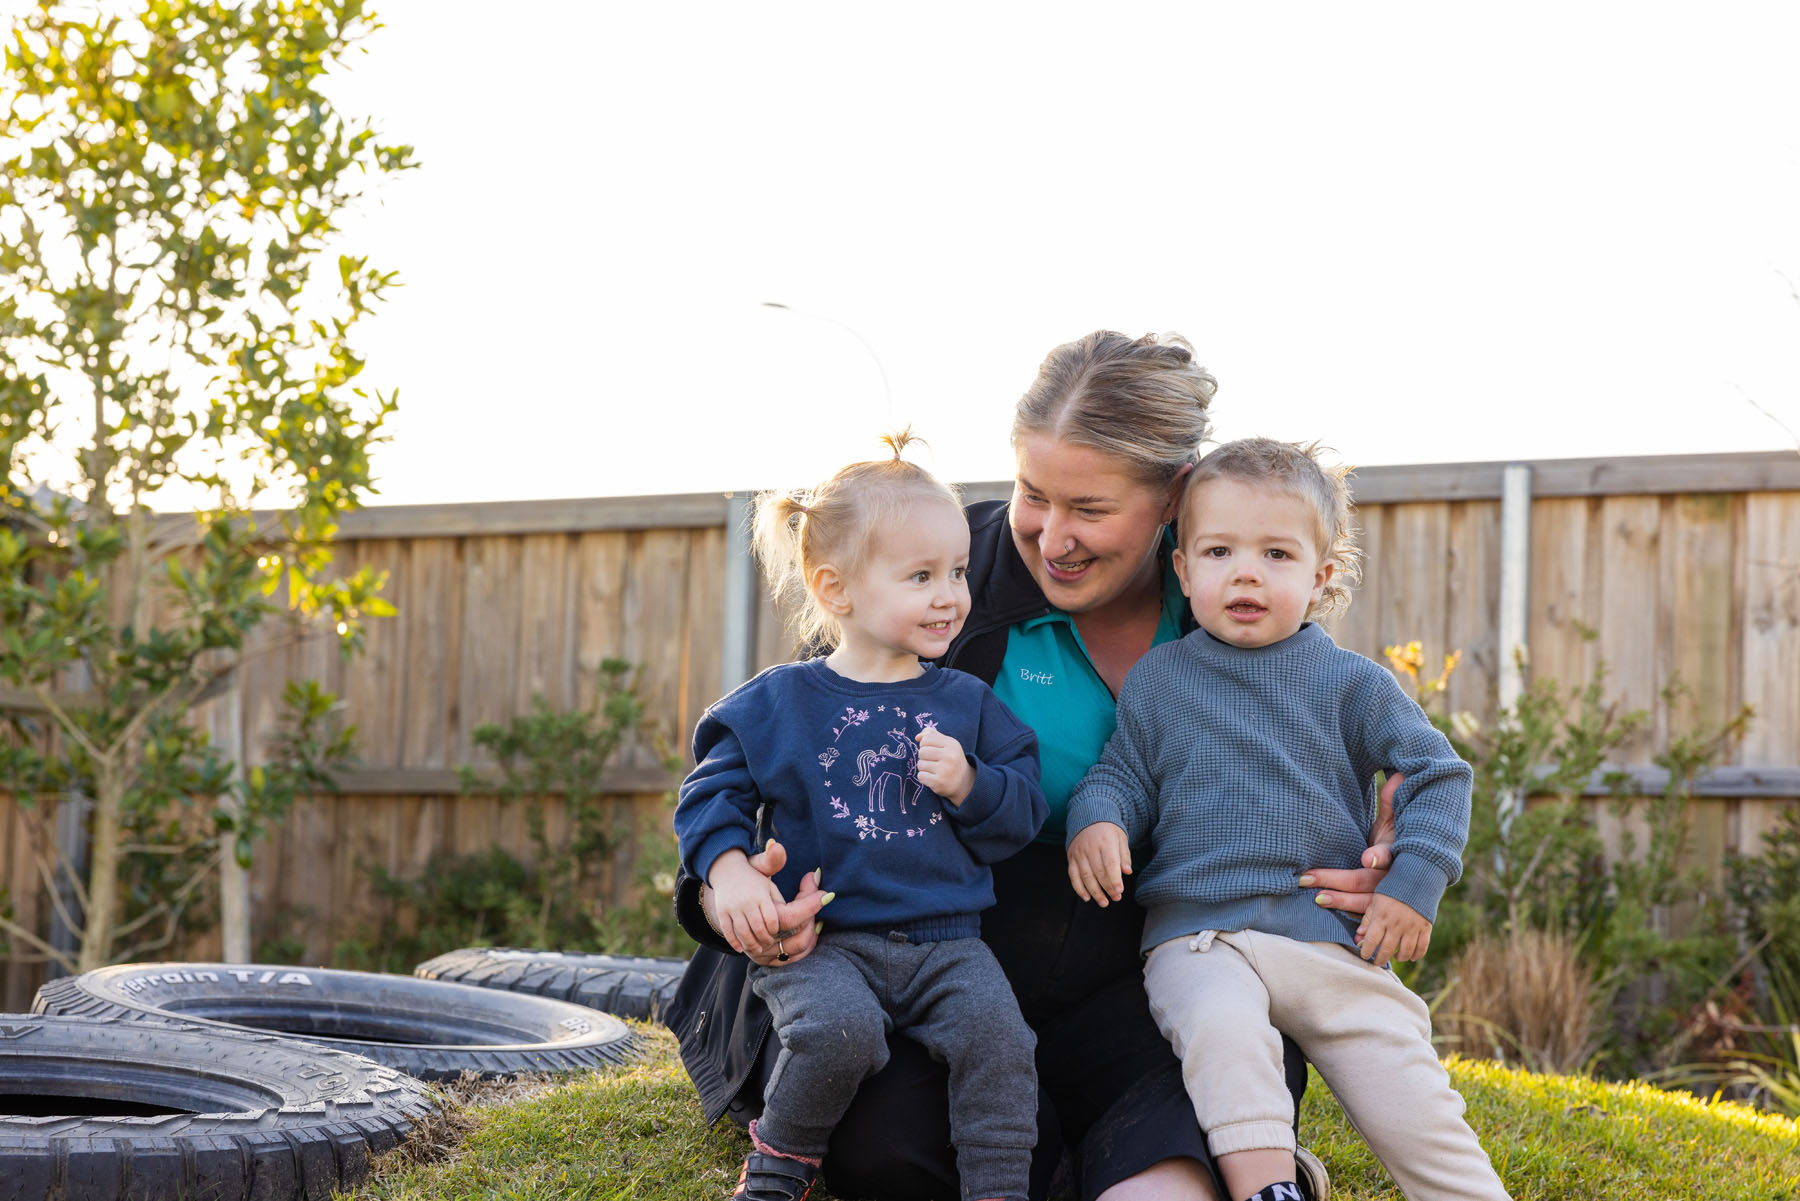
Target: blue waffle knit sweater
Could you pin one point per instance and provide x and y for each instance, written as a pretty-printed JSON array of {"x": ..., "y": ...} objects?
[{"x": 1242, "y": 768}]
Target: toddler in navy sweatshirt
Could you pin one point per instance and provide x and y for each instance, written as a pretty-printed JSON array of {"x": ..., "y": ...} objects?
[{"x": 904, "y": 781}]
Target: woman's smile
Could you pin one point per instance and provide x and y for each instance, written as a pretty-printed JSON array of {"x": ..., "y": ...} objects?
[{"x": 1068, "y": 568}]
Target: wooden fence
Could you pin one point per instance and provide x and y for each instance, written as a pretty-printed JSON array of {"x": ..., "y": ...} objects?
[{"x": 1683, "y": 567}]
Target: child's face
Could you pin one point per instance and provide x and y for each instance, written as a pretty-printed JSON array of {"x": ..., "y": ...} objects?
[
  {"x": 1248, "y": 561},
  {"x": 911, "y": 595}
]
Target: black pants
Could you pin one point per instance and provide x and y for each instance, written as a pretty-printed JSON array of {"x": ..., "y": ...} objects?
[{"x": 1110, "y": 1088}]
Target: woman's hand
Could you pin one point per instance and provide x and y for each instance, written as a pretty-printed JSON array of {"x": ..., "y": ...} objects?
[
  {"x": 1099, "y": 861},
  {"x": 1352, "y": 888},
  {"x": 792, "y": 927}
]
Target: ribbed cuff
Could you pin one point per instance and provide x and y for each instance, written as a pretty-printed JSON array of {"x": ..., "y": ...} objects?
[
  {"x": 985, "y": 794},
  {"x": 994, "y": 1171},
  {"x": 717, "y": 843},
  {"x": 1250, "y": 1136},
  {"x": 1418, "y": 882},
  {"x": 1088, "y": 809}
]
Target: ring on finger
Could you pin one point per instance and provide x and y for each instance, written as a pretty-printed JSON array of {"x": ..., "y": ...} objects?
[{"x": 781, "y": 955}]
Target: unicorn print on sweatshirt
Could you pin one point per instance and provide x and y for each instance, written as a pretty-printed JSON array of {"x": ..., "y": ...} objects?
[{"x": 891, "y": 801}]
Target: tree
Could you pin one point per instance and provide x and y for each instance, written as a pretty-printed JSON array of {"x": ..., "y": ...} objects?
[{"x": 172, "y": 304}]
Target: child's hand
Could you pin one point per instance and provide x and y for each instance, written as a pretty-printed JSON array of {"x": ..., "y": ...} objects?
[
  {"x": 1392, "y": 929},
  {"x": 1099, "y": 861},
  {"x": 943, "y": 767},
  {"x": 745, "y": 901}
]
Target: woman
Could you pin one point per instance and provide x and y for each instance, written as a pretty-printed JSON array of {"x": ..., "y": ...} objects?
[{"x": 1070, "y": 585}]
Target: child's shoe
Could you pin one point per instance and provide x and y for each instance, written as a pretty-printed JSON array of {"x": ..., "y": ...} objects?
[
  {"x": 775, "y": 1178},
  {"x": 1313, "y": 1180}
]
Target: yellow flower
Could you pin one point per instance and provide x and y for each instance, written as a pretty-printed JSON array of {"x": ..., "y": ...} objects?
[
  {"x": 1450, "y": 662},
  {"x": 1408, "y": 658}
]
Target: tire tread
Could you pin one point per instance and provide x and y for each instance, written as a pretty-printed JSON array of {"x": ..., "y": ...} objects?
[
  {"x": 551, "y": 1050},
  {"x": 626, "y": 986},
  {"x": 314, "y": 1142}
]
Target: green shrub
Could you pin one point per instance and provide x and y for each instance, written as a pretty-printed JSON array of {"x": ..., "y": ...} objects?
[
  {"x": 1765, "y": 894},
  {"x": 546, "y": 758},
  {"x": 1542, "y": 867}
]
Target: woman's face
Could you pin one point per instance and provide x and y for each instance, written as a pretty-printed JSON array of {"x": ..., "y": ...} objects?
[{"x": 1085, "y": 526}]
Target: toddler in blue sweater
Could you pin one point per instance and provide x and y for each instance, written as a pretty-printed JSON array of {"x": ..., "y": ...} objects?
[
  {"x": 1246, "y": 753},
  {"x": 904, "y": 782}
]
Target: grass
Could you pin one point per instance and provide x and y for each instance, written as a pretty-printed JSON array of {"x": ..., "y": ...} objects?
[{"x": 635, "y": 1133}]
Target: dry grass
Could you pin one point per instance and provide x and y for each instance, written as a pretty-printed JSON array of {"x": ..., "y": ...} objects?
[
  {"x": 461, "y": 1104},
  {"x": 1524, "y": 999}
]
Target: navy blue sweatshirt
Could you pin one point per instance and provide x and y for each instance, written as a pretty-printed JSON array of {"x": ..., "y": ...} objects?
[{"x": 836, "y": 760}]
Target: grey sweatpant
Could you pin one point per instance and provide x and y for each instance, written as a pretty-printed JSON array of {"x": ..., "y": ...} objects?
[{"x": 833, "y": 1010}]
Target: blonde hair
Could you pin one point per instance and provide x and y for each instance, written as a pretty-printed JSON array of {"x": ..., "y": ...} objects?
[
  {"x": 1141, "y": 400},
  {"x": 796, "y": 531},
  {"x": 1296, "y": 470}
]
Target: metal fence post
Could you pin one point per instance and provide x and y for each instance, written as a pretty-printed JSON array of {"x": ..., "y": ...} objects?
[
  {"x": 1515, "y": 599},
  {"x": 738, "y": 628}
]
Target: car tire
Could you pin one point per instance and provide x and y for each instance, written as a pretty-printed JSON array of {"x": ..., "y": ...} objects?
[
  {"x": 629, "y": 986},
  {"x": 105, "y": 1109},
  {"x": 427, "y": 1028}
]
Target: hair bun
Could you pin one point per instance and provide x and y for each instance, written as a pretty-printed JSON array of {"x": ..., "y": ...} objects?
[{"x": 1173, "y": 341}]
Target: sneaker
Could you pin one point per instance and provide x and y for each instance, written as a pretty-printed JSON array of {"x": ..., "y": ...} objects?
[
  {"x": 1313, "y": 1180},
  {"x": 774, "y": 1178}
]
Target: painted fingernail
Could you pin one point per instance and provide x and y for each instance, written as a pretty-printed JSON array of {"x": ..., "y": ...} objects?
[
  {"x": 828, "y": 899},
  {"x": 818, "y": 877},
  {"x": 1323, "y": 899},
  {"x": 1307, "y": 881},
  {"x": 818, "y": 928}
]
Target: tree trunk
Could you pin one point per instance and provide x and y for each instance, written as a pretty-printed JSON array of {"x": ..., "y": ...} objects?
[
  {"x": 103, "y": 869},
  {"x": 234, "y": 881}
]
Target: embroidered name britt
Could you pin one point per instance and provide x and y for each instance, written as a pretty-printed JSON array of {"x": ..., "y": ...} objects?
[{"x": 1035, "y": 677}]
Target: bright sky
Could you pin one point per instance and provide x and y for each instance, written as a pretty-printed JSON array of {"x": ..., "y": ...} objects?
[{"x": 1420, "y": 232}]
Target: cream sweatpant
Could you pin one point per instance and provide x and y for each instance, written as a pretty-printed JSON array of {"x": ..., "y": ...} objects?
[{"x": 1223, "y": 1000}]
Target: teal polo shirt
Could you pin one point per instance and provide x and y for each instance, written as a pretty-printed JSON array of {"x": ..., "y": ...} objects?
[{"x": 1048, "y": 681}]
